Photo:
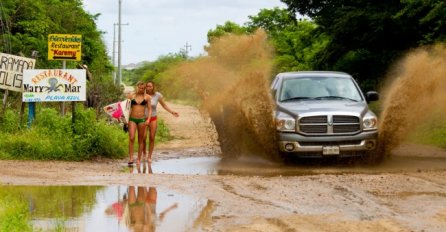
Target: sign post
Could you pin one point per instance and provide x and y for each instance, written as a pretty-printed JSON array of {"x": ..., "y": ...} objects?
[
  {"x": 11, "y": 73},
  {"x": 65, "y": 47}
]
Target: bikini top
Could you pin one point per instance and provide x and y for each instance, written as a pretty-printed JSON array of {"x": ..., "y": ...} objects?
[{"x": 143, "y": 103}]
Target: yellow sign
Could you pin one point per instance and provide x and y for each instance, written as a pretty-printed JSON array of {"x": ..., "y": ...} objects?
[{"x": 64, "y": 47}]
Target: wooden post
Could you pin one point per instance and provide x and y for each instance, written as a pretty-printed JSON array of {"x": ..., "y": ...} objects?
[
  {"x": 31, "y": 105},
  {"x": 5, "y": 100},
  {"x": 62, "y": 105},
  {"x": 31, "y": 113}
]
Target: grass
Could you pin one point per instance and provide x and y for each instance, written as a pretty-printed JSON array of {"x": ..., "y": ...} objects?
[
  {"x": 432, "y": 132},
  {"x": 14, "y": 215}
]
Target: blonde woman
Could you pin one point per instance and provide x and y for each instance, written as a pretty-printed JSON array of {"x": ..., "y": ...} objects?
[{"x": 140, "y": 103}]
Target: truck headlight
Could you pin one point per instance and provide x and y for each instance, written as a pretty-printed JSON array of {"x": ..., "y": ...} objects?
[
  {"x": 285, "y": 124},
  {"x": 370, "y": 123}
]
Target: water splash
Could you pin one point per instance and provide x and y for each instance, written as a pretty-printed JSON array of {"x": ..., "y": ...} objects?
[
  {"x": 418, "y": 89},
  {"x": 233, "y": 84}
]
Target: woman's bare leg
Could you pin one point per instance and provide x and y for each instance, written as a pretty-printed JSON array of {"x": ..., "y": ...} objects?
[
  {"x": 141, "y": 131},
  {"x": 144, "y": 145},
  {"x": 132, "y": 131},
  {"x": 152, "y": 132}
]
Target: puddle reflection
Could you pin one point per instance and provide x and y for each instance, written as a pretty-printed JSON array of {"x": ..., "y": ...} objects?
[{"x": 111, "y": 208}]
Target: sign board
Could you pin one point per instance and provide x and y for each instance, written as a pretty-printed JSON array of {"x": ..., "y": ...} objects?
[
  {"x": 64, "y": 47},
  {"x": 50, "y": 85},
  {"x": 11, "y": 71}
]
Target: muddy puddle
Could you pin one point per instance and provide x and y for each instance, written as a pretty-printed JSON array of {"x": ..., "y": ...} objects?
[
  {"x": 256, "y": 166},
  {"x": 111, "y": 208}
]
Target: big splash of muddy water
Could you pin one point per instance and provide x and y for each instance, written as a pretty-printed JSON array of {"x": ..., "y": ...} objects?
[
  {"x": 417, "y": 91},
  {"x": 233, "y": 84}
]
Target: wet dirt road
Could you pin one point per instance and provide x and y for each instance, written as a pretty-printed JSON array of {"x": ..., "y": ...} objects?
[{"x": 406, "y": 193}]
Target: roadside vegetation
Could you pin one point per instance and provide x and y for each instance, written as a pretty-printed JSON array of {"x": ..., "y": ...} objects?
[
  {"x": 19, "y": 203},
  {"x": 357, "y": 37},
  {"x": 54, "y": 137}
]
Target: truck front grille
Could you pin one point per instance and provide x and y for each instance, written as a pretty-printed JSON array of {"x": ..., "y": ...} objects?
[{"x": 329, "y": 125}]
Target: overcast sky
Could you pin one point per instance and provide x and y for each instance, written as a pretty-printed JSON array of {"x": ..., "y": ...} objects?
[{"x": 160, "y": 27}]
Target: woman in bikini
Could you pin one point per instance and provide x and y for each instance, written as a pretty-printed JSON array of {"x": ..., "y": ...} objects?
[
  {"x": 140, "y": 103},
  {"x": 152, "y": 126}
]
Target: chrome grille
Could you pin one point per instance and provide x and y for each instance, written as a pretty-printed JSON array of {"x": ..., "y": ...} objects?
[
  {"x": 313, "y": 129},
  {"x": 348, "y": 128},
  {"x": 345, "y": 119},
  {"x": 328, "y": 124},
  {"x": 314, "y": 119}
]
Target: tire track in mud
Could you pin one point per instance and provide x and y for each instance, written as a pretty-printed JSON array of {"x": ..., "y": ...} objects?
[{"x": 230, "y": 189}]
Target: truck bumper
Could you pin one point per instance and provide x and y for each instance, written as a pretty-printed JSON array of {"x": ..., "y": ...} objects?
[{"x": 317, "y": 146}]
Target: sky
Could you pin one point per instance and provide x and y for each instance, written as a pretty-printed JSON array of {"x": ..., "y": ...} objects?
[{"x": 160, "y": 27}]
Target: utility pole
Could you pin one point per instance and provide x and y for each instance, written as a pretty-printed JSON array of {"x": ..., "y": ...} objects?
[
  {"x": 114, "y": 51},
  {"x": 119, "y": 45},
  {"x": 188, "y": 47}
]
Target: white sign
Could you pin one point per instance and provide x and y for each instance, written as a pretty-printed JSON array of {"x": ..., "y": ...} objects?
[
  {"x": 11, "y": 71},
  {"x": 43, "y": 85}
]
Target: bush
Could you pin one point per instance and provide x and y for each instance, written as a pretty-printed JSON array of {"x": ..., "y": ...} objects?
[
  {"x": 53, "y": 137},
  {"x": 163, "y": 133},
  {"x": 9, "y": 122},
  {"x": 13, "y": 214}
]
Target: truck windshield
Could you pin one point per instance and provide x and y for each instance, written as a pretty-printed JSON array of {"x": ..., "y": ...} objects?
[{"x": 319, "y": 88}]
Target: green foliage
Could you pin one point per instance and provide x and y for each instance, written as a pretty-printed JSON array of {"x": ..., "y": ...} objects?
[
  {"x": 53, "y": 137},
  {"x": 19, "y": 203},
  {"x": 14, "y": 214},
  {"x": 431, "y": 132},
  {"x": 163, "y": 133},
  {"x": 9, "y": 122},
  {"x": 366, "y": 37},
  {"x": 228, "y": 28},
  {"x": 27, "y": 24},
  {"x": 152, "y": 70},
  {"x": 296, "y": 42}
]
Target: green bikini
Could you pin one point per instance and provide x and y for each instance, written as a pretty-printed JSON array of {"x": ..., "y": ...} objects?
[{"x": 138, "y": 120}]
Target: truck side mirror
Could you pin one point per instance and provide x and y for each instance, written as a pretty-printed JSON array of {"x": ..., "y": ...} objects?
[{"x": 372, "y": 96}]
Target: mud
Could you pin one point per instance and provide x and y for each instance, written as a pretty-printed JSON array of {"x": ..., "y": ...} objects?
[
  {"x": 233, "y": 85},
  {"x": 416, "y": 93}
]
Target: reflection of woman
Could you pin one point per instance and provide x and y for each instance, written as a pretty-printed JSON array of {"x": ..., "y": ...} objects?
[
  {"x": 140, "y": 102},
  {"x": 156, "y": 97},
  {"x": 140, "y": 213}
]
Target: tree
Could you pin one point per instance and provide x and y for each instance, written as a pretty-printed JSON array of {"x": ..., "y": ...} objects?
[
  {"x": 25, "y": 28},
  {"x": 367, "y": 36},
  {"x": 228, "y": 28},
  {"x": 295, "y": 41}
]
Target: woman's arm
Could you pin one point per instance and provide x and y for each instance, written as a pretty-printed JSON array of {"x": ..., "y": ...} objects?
[{"x": 166, "y": 107}]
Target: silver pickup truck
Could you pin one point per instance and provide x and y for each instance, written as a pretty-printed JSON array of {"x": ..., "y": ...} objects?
[{"x": 321, "y": 114}]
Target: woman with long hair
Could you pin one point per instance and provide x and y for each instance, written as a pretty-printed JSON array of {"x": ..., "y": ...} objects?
[
  {"x": 140, "y": 103},
  {"x": 152, "y": 116}
]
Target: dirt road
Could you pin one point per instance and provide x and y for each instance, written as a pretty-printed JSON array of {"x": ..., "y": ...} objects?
[{"x": 406, "y": 193}]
